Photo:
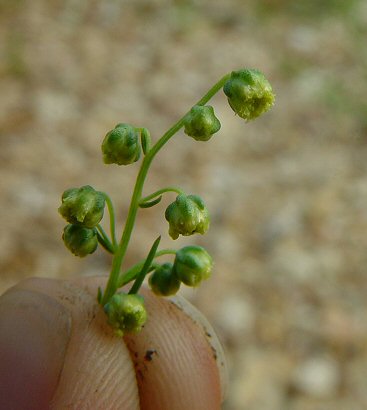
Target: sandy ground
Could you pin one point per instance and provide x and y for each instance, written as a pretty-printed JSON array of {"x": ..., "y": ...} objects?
[{"x": 287, "y": 193}]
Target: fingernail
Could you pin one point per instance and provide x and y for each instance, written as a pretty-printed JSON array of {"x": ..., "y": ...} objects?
[
  {"x": 34, "y": 333},
  {"x": 211, "y": 337}
]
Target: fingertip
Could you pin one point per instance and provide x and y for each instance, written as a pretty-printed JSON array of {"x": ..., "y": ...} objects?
[
  {"x": 211, "y": 337},
  {"x": 176, "y": 366},
  {"x": 178, "y": 363},
  {"x": 98, "y": 372},
  {"x": 95, "y": 368}
]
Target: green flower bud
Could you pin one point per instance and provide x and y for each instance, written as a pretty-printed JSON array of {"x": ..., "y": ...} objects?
[
  {"x": 79, "y": 240},
  {"x": 192, "y": 265},
  {"x": 249, "y": 93},
  {"x": 82, "y": 206},
  {"x": 163, "y": 280},
  {"x": 186, "y": 216},
  {"x": 201, "y": 123},
  {"x": 121, "y": 145},
  {"x": 126, "y": 313}
]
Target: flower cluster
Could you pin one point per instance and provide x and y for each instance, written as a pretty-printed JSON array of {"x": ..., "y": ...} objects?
[
  {"x": 249, "y": 95},
  {"x": 83, "y": 208},
  {"x": 191, "y": 266}
]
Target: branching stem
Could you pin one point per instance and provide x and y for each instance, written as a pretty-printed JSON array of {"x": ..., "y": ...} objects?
[
  {"x": 131, "y": 273},
  {"x": 112, "y": 284},
  {"x": 159, "y": 192}
]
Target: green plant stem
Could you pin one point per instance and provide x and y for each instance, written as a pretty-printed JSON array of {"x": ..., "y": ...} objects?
[
  {"x": 137, "y": 193},
  {"x": 104, "y": 240},
  {"x": 111, "y": 212},
  {"x": 131, "y": 273},
  {"x": 159, "y": 192}
]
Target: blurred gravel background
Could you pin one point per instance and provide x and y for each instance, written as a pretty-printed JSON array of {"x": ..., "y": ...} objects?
[{"x": 287, "y": 193}]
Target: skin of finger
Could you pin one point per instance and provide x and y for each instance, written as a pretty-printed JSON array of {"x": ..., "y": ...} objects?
[
  {"x": 98, "y": 372},
  {"x": 178, "y": 359},
  {"x": 212, "y": 338},
  {"x": 34, "y": 334},
  {"x": 176, "y": 365}
]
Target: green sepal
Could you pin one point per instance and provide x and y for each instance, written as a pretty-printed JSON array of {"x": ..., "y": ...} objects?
[
  {"x": 187, "y": 215},
  {"x": 82, "y": 206},
  {"x": 163, "y": 281},
  {"x": 201, "y": 123},
  {"x": 121, "y": 145},
  {"x": 126, "y": 313},
  {"x": 192, "y": 265},
  {"x": 249, "y": 93},
  {"x": 146, "y": 141},
  {"x": 79, "y": 240}
]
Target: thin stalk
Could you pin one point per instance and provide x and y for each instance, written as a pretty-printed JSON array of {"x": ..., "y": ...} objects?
[
  {"x": 136, "y": 197},
  {"x": 104, "y": 240},
  {"x": 111, "y": 212},
  {"x": 131, "y": 273},
  {"x": 161, "y": 191}
]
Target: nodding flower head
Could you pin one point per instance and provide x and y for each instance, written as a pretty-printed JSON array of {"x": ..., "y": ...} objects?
[
  {"x": 82, "y": 206},
  {"x": 163, "y": 280},
  {"x": 79, "y": 240},
  {"x": 126, "y": 313},
  {"x": 201, "y": 123},
  {"x": 187, "y": 215},
  {"x": 121, "y": 145},
  {"x": 249, "y": 93},
  {"x": 192, "y": 265}
]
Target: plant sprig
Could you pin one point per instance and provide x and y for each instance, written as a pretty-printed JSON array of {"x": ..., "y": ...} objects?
[{"x": 249, "y": 94}]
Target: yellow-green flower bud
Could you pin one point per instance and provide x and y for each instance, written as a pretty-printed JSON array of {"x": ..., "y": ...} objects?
[
  {"x": 163, "y": 280},
  {"x": 126, "y": 313},
  {"x": 82, "y": 206},
  {"x": 249, "y": 93},
  {"x": 121, "y": 145},
  {"x": 187, "y": 215},
  {"x": 192, "y": 265},
  {"x": 201, "y": 123},
  {"x": 79, "y": 240}
]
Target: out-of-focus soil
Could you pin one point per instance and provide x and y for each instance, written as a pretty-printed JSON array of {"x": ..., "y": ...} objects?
[{"x": 287, "y": 193}]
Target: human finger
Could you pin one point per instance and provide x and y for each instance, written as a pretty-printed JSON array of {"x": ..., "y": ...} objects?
[
  {"x": 98, "y": 368},
  {"x": 61, "y": 352}
]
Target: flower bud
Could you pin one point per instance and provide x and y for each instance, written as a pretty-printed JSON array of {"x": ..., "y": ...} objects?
[
  {"x": 121, "y": 145},
  {"x": 163, "y": 280},
  {"x": 249, "y": 93},
  {"x": 187, "y": 215},
  {"x": 79, "y": 240},
  {"x": 126, "y": 313},
  {"x": 192, "y": 265},
  {"x": 201, "y": 123},
  {"x": 82, "y": 206}
]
